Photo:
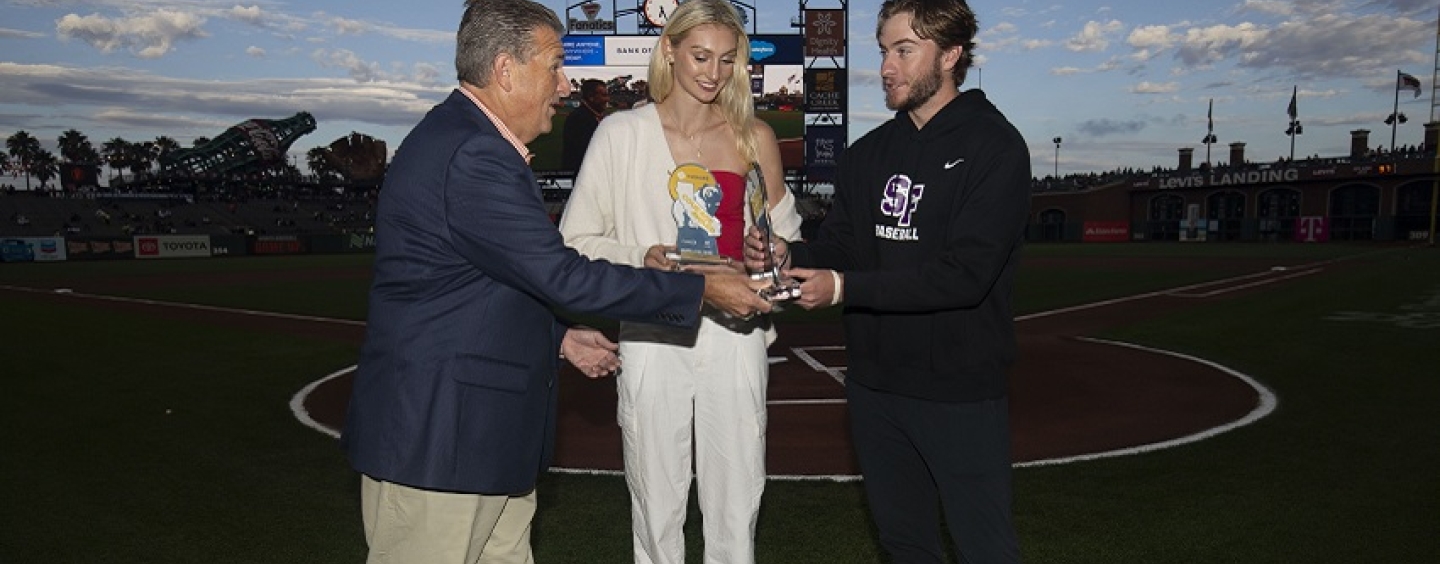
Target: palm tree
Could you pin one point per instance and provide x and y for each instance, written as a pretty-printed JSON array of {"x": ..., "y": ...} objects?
[
  {"x": 116, "y": 153},
  {"x": 164, "y": 145},
  {"x": 23, "y": 147},
  {"x": 75, "y": 147},
  {"x": 318, "y": 159},
  {"x": 44, "y": 166},
  {"x": 141, "y": 157}
]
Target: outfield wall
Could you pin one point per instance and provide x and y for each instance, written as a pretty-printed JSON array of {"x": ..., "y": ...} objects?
[{"x": 159, "y": 247}]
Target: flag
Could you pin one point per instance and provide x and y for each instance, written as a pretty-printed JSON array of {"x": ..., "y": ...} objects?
[
  {"x": 1293, "y": 111},
  {"x": 1210, "y": 118},
  {"x": 1407, "y": 82}
]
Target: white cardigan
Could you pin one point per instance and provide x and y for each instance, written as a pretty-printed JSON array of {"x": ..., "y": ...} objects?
[{"x": 620, "y": 204}]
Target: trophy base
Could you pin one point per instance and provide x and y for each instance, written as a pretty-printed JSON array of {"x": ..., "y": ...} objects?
[
  {"x": 781, "y": 292},
  {"x": 780, "y": 289},
  {"x": 686, "y": 258}
]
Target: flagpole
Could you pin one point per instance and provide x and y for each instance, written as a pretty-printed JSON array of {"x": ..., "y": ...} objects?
[
  {"x": 1434, "y": 195},
  {"x": 1294, "y": 112},
  {"x": 1395, "y": 114},
  {"x": 1292, "y": 147},
  {"x": 1294, "y": 119}
]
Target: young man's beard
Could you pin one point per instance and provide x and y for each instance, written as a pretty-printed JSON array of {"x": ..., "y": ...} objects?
[{"x": 921, "y": 91}]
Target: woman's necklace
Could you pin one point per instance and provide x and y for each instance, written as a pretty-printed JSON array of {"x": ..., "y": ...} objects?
[
  {"x": 697, "y": 139},
  {"x": 701, "y": 144}
]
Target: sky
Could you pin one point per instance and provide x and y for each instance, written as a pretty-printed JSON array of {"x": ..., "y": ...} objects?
[{"x": 1123, "y": 83}]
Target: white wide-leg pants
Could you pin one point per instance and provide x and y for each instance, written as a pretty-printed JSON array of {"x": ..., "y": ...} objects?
[{"x": 703, "y": 393}]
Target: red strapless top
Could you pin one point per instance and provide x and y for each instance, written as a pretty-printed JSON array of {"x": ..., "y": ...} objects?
[{"x": 731, "y": 214}]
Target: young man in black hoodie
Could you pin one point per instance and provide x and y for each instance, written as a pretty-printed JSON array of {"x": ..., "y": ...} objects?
[{"x": 921, "y": 245}]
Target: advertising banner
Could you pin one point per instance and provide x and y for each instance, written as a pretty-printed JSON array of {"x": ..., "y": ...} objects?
[
  {"x": 278, "y": 245},
  {"x": 824, "y": 33},
  {"x": 628, "y": 51},
  {"x": 1106, "y": 232},
  {"x": 825, "y": 90},
  {"x": 777, "y": 50},
  {"x": 1312, "y": 229},
  {"x": 32, "y": 249},
  {"x": 584, "y": 51},
  {"x": 172, "y": 246},
  {"x": 591, "y": 22},
  {"x": 823, "y": 145},
  {"x": 100, "y": 249}
]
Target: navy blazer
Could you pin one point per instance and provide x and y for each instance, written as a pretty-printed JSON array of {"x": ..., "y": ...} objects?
[{"x": 455, "y": 389}]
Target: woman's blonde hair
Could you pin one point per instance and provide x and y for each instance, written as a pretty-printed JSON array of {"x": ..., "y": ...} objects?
[{"x": 735, "y": 100}]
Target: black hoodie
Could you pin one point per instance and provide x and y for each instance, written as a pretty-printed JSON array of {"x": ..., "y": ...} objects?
[{"x": 926, "y": 225}]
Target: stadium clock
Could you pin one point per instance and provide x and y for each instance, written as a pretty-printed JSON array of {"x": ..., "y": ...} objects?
[{"x": 657, "y": 12}]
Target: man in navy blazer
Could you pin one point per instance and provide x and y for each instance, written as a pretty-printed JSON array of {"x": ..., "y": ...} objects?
[{"x": 452, "y": 415}]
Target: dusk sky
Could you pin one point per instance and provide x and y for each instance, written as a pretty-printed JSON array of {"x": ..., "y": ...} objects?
[{"x": 1125, "y": 83}]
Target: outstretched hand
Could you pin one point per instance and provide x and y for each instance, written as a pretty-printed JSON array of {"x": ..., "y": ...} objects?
[
  {"x": 734, "y": 293},
  {"x": 818, "y": 288},
  {"x": 590, "y": 352}
]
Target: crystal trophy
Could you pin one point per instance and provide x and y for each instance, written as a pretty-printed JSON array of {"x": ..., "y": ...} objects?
[{"x": 781, "y": 287}]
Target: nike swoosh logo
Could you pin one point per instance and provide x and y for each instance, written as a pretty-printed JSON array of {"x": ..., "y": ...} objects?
[{"x": 952, "y": 164}]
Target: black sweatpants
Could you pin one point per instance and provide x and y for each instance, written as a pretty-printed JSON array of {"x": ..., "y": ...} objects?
[{"x": 918, "y": 456}]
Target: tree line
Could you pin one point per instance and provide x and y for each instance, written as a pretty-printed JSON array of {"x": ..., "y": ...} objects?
[{"x": 25, "y": 155}]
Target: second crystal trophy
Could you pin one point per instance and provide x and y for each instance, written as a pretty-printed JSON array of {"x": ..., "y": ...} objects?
[{"x": 781, "y": 287}]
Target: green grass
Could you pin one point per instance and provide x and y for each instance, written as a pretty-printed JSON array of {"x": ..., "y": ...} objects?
[{"x": 1343, "y": 471}]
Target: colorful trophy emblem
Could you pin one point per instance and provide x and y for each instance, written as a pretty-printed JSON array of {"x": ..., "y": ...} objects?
[{"x": 696, "y": 197}]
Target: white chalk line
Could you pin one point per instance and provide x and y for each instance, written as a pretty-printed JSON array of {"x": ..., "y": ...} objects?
[{"x": 1266, "y": 405}]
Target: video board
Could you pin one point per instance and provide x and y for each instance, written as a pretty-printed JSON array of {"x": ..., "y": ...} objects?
[{"x": 777, "y": 81}]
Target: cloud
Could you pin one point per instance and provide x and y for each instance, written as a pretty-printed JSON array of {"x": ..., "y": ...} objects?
[
  {"x": 369, "y": 71},
  {"x": 1095, "y": 36},
  {"x": 1409, "y": 7},
  {"x": 6, "y": 33},
  {"x": 1337, "y": 45},
  {"x": 1148, "y": 41},
  {"x": 147, "y": 37},
  {"x": 116, "y": 97},
  {"x": 865, "y": 77},
  {"x": 1147, "y": 87},
  {"x": 357, "y": 68},
  {"x": 346, "y": 26},
  {"x": 159, "y": 121},
  {"x": 1272, "y": 7},
  {"x": 252, "y": 15},
  {"x": 1106, "y": 126},
  {"x": 428, "y": 74},
  {"x": 255, "y": 52},
  {"x": 1205, "y": 45},
  {"x": 1319, "y": 39}
]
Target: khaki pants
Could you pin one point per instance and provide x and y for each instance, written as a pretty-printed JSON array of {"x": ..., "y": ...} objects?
[{"x": 405, "y": 525}]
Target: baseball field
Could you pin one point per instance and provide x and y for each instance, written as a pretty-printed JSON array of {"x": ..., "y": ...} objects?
[{"x": 172, "y": 412}]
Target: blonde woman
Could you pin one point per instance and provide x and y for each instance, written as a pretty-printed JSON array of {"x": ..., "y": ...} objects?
[{"x": 689, "y": 390}]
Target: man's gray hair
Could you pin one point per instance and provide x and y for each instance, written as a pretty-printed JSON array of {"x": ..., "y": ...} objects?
[{"x": 492, "y": 27}]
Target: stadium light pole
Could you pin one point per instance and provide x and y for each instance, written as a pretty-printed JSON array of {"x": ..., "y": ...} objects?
[
  {"x": 1394, "y": 120},
  {"x": 1209, "y": 139},
  {"x": 1057, "y": 158}
]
